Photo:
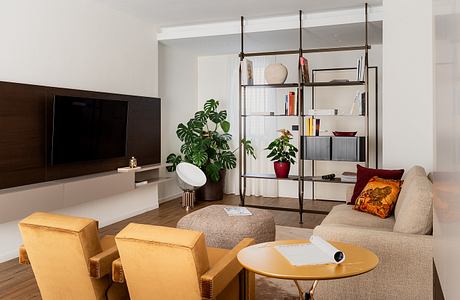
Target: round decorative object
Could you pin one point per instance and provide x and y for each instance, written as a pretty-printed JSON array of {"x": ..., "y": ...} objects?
[
  {"x": 133, "y": 162},
  {"x": 276, "y": 74},
  {"x": 189, "y": 177}
]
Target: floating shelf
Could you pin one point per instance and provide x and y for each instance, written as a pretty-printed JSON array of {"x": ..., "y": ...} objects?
[
  {"x": 154, "y": 181},
  {"x": 142, "y": 168}
]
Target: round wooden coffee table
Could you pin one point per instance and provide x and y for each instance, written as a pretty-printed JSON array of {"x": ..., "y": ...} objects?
[{"x": 264, "y": 259}]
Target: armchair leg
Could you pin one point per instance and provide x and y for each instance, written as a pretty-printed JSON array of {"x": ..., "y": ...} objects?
[{"x": 247, "y": 285}]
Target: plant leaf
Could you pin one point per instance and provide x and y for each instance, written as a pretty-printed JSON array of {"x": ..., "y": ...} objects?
[
  {"x": 225, "y": 125},
  {"x": 199, "y": 158},
  {"x": 210, "y": 105},
  {"x": 227, "y": 159},
  {"x": 213, "y": 171},
  {"x": 218, "y": 117},
  {"x": 174, "y": 160}
]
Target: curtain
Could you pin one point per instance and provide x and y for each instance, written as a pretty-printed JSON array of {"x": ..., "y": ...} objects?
[{"x": 260, "y": 130}]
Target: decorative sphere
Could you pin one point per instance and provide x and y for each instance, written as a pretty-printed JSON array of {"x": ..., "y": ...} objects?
[{"x": 275, "y": 74}]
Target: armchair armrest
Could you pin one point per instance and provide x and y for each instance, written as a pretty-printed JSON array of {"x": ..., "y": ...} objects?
[
  {"x": 117, "y": 271},
  {"x": 101, "y": 264},
  {"x": 23, "y": 257},
  {"x": 214, "y": 281}
]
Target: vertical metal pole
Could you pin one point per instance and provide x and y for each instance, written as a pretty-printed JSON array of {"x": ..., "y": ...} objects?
[
  {"x": 376, "y": 117},
  {"x": 366, "y": 81},
  {"x": 242, "y": 162},
  {"x": 300, "y": 112},
  {"x": 313, "y": 162}
]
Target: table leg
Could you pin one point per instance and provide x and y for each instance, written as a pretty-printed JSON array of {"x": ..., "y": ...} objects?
[{"x": 311, "y": 293}]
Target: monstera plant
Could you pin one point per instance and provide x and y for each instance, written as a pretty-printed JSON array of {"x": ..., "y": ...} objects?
[{"x": 205, "y": 139}]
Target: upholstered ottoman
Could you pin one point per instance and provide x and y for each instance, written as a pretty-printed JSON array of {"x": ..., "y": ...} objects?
[{"x": 224, "y": 231}]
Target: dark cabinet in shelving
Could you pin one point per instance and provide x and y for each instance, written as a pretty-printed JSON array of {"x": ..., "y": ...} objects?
[
  {"x": 346, "y": 148},
  {"x": 333, "y": 148}
]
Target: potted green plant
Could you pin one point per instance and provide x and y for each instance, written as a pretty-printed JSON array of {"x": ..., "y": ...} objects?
[
  {"x": 282, "y": 153},
  {"x": 205, "y": 139}
]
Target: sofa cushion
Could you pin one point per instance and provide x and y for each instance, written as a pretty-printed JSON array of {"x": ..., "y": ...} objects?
[
  {"x": 416, "y": 212},
  {"x": 408, "y": 179},
  {"x": 344, "y": 214},
  {"x": 379, "y": 197},
  {"x": 365, "y": 174}
]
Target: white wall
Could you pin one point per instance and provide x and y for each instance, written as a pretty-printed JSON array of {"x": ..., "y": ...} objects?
[
  {"x": 85, "y": 45},
  {"x": 407, "y": 84},
  {"x": 446, "y": 215},
  {"x": 178, "y": 92},
  {"x": 77, "y": 44}
]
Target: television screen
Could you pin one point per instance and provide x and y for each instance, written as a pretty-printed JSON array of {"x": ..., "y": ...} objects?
[{"x": 88, "y": 129}]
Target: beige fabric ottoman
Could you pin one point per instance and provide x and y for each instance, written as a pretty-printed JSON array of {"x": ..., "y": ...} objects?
[{"x": 224, "y": 231}]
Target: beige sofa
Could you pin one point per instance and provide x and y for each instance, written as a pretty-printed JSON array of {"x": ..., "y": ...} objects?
[{"x": 403, "y": 243}]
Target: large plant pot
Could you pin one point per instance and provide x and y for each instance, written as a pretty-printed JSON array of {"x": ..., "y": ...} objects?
[
  {"x": 282, "y": 169},
  {"x": 212, "y": 191}
]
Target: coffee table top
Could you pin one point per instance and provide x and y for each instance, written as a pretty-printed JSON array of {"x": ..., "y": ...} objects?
[{"x": 265, "y": 260}]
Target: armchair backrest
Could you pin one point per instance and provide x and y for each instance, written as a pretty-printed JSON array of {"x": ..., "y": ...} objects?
[
  {"x": 162, "y": 262},
  {"x": 59, "y": 248}
]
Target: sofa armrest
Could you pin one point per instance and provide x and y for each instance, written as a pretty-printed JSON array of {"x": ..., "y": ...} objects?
[
  {"x": 405, "y": 262},
  {"x": 101, "y": 264},
  {"x": 214, "y": 281},
  {"x": 117, "y": 271},
  {"x": 23, "y": 257},
  {"x": 349, "y": 193}
]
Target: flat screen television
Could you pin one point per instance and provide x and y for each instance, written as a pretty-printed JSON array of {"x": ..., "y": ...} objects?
[{"x": 86, "y": 129}]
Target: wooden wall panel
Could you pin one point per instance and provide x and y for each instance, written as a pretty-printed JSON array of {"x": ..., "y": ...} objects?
[{"x": 26, "y": 115}]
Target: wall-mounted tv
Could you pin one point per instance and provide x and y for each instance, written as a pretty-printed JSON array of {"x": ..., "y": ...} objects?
[{"x": 86, "y": 129}]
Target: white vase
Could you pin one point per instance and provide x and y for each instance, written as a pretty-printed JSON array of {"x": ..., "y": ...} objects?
[{"x": 275, "y": 74}]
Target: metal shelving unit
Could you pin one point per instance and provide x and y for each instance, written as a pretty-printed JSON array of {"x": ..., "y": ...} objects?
[{"x": 301, "y": 178}]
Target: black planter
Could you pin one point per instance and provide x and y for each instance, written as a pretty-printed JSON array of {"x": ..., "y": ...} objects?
[{"x": 212, "y": 191}]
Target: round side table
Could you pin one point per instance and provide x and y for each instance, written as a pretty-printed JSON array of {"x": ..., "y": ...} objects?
[{"x": 265, "y": 260}]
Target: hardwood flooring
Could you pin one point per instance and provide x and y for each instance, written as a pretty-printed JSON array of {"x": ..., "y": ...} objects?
[{"x": 18, "y": 282}]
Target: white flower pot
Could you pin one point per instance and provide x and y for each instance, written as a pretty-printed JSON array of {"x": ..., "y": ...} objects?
[{"x": 276, "y": 74}]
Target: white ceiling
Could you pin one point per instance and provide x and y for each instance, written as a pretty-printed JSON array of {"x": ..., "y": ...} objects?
[
  {"x": 325, "y": 36},
  {"x": 182, "y": 12}
]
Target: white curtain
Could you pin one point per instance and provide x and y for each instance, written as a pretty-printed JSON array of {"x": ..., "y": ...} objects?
[{"x": 260, "y": 130}]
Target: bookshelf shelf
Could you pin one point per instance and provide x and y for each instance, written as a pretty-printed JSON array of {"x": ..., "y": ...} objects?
[
  {"x": 301, "y": 89},
  {"x": 313, "y": 50},
  {"x": 295, "y": 178}
]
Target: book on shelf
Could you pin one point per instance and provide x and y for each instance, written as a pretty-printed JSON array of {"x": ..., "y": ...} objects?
[
  {"x": 323, "y": 112},
  {"x": 290, "y": 104},
  {"x": 312, "y": 126},
  {"x": 304, "y": 70},
  {"x": 360, "y": 67},
  {"x": 348, "y": 177},
  {"x": 359, "y": 104},
  {"x": 247, "y": 72}
]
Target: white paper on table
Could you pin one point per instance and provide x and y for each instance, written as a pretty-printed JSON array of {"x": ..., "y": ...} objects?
[{"x": 317, "y": 252}]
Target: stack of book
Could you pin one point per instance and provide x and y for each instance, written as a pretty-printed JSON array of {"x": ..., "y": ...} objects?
[
  {"x": 290, "y": 104},
  {"x": 348, "y": 177},
  {"x": 323, "y": 112},
  {"x": 247, "y": 72},
  {"x": 359, "y": 104},
  {"x": 312, "y": 126}
]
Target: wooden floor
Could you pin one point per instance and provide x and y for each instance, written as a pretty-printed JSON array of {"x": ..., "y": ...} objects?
[{"x": 18, "y": 282}]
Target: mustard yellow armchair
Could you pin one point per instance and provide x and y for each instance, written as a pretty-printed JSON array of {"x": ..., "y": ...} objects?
[
  {"x": 68, "y": 259},
  {"x": 169, "y": 263}
]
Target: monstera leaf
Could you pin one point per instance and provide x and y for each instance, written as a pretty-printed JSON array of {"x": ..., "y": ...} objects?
[
  {"x": 185, "y": 133},
  {"x": 213, "y": 171},
  {"x": 174, "y": 160},
  {"x": 218, "y": 117},
  {"x": 228, "y": 160},
  {"x": 210, "y": 105}
]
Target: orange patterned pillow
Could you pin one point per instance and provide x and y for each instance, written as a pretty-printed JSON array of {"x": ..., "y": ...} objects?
[{"x": 379, "y": 197}]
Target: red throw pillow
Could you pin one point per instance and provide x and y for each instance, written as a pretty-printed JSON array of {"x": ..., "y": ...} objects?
[{"x": 365, "y": 174}]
